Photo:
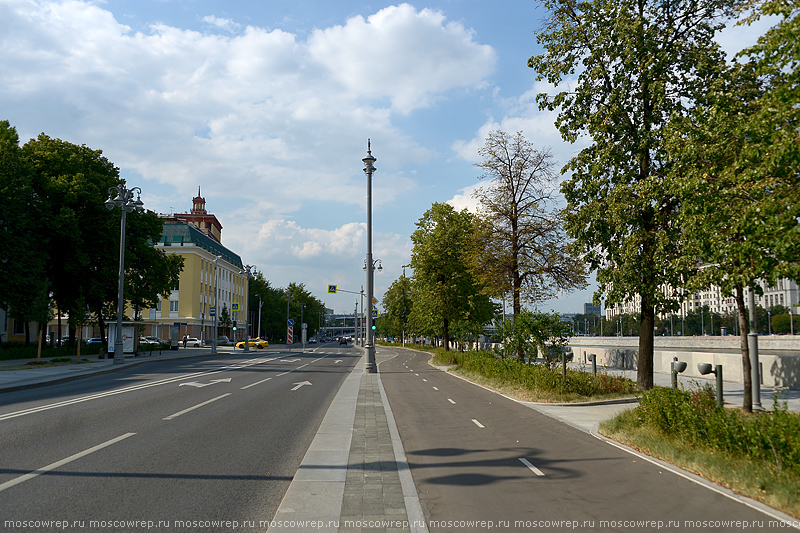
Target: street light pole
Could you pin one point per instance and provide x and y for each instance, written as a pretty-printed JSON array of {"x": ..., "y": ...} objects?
[
  {"x": 288, "y": 340},
  {"x": 123, "y": 200},
  {"x": 369, "y": 168},
  {"x": 246, "y": 272},
  {"x": 214, "y": 341},
  {"x": 752, "y": 345}
]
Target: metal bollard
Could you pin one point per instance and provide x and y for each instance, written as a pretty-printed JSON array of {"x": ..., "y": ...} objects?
[{"x": 705, "y": 368}]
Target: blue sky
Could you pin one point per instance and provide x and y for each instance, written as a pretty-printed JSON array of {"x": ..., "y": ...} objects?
[{"x": 267, "y": 106}]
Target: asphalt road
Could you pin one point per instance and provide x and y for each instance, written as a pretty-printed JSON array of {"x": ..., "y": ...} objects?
[
  {"x": 205, "y": 444},
  {"x": 483, "y": 462}
]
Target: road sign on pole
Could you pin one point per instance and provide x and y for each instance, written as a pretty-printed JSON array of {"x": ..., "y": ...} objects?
[
  {"x": 290, "y": 335},
  {"x": 332, "y": 289}
]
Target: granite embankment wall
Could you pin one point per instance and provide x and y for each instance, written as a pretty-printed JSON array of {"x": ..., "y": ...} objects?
[{"x": 779, "y": 355}]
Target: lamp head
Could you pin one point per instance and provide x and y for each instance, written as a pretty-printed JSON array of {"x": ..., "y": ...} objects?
[
  {"x": 704, "y": 368},
  {"x": 680, "y": 366}
]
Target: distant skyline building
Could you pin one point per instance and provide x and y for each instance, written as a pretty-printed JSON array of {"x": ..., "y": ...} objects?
[
  {"x": 784, "y": 293},
  {"x": 589, "y": 309}
]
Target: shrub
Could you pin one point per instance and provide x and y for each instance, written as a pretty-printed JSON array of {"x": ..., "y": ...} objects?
[
  {"x": 536, "y": 377},
  {"x": 693, "y": 416}
]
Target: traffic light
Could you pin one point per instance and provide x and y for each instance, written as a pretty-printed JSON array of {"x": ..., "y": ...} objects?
[
  {"x": 234, "y": 325},
  {"x": 373, "y": 324}
]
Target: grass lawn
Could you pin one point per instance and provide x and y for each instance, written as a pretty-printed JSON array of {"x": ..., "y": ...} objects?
[{"x": 775, "y": 485}]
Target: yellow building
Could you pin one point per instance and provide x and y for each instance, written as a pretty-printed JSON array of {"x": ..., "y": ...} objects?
[{"x": 208, "y": 268}]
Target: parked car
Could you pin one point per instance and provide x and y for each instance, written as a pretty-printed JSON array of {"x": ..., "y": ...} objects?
[
  {"x": 253, "y": 343},
  {"x": 193, "y": 342}
]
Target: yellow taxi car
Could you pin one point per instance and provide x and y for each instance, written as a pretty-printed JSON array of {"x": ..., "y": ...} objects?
[{"x": 253, "y": 343}]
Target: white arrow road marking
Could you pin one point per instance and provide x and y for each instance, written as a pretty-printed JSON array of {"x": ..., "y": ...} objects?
[
  {"x": 478, "y": 423},
  {"x": 338, "y": 361},
  {"x": 196, "y": 384},
  {"x": 300, "y": 384},
  {"x": 533, "y": 468},
  {"x": 176, "y": 415},
  {"x": 62, "y": 462}
]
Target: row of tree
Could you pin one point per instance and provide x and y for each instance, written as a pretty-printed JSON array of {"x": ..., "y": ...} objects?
[
  {"x": 270, "y": 305},
  {"x": 514, "y": 247},
  {"x": 691, "y": 176},
  {"x": 60, "y": 245}
]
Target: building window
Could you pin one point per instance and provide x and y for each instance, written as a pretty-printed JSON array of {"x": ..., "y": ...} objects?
[{"x": 173, "y": 306}]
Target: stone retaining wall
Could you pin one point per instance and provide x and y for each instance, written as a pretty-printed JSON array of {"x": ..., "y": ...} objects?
[{"x": 779, "y": 355}]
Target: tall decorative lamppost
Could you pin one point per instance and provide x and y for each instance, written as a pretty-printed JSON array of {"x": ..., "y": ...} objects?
[
  {"x": 123, "y": 200},
  {"x": 216, "y": 309},
  {"x": 369, "y": 168},
  {"x": 246, "y": 271}
]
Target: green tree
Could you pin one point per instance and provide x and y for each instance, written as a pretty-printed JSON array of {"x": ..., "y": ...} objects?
[
  {"x": 445, "y": 290},
  {"x": 532, "y": 333},
  {"x": 24, "y": 289},
  {"x": 304, "y": 304},
  {"x": 736, "y": 158},
  {"x": 523, "y": 246},
  {"x": 397, "y": 306},
  {"x": 82, "y": 236},
  {"x": 273, "y": 307},
  {"x": 638, "y": 62}
]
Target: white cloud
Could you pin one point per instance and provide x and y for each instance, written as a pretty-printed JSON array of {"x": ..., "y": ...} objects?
[
  {"x": 465, "y": 199},
  {"x": 402, "y": 54},
  {"x": 244, "y": 113},
  {"x": 221, "y": 23}
]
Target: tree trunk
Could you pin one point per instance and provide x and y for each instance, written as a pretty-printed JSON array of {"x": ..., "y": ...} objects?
[
  {"x": 446, "y": 335},
  {"x": 744, "y": 330},
  {"x": 644, "y": 375},
  {"x": 39, "y": 338}
]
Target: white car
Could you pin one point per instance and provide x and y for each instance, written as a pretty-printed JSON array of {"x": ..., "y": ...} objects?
[{"x": 191, "y": 341}]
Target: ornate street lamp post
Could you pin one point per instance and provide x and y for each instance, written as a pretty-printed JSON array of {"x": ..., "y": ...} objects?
[
  {"x": 369, "y": 168},
  {"x": 123, "y": 200},
  {"x": 246, "y": 271}
]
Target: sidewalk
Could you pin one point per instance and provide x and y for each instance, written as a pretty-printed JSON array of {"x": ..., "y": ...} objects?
[{"x": 34, "y": 376}]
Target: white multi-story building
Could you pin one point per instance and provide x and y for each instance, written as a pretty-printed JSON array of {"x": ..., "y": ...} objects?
[{"x": 784, "y": 293}]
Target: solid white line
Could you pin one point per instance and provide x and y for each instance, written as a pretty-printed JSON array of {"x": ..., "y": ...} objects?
[
  {"x": 478, "y": 423},
  {"x": 62, "y": 462},
  {"x": 702, "y": 482},
  {"x": 279, "y": 375},
  {"x": 451, "y": 401},
  {"x": 176, "y": 415},
  {"x": 533, "y": 468},
  {"x": 166, "y": 381},
  {"x": 256, "y": 383}
]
